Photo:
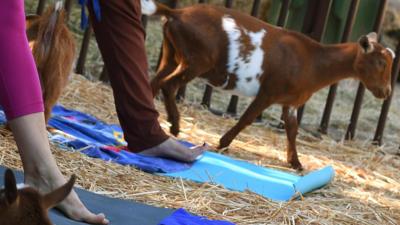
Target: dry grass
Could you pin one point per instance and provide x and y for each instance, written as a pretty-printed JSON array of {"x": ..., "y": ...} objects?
[{"x": 365, "y": 190}]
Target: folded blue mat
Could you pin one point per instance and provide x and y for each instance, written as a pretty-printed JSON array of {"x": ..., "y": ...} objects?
[
  {"x": 240, "y": 176},
  {"x": 97, "y": 139}
]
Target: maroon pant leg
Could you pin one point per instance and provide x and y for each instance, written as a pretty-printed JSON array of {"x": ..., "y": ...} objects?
[{"x": 120, "y": 37}]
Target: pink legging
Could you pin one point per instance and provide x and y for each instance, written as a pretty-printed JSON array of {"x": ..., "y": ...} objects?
[{"x": 20, "y": 92}]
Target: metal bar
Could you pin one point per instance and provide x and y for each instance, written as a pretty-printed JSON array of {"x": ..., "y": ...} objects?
[
  {"x": 172, "y": 4},
  {"x": 254, "y": 12},
  {"x": 104, "y": 75},
  {"x": 182, "y": 90},
  {"x": 255, "y": 8},
  {"x": 40, "y": 7},
  {"x": 144, "y": 21},
  {"x": 180, "y": 95},
  {"x": 351, "y": 16},
  {"x": 282, "y": 22},
  {"x": 386, "y": 104},
  {"x": 80, "y": 67},
  {"x": 314, "y": 26},
  {"x": 351, "y": 129},
  {"x": 283, "y": 13},
  {"x": 228, "y": 3},
  {"x": 67, "y": 7},
  {"x": 232, "y": 107},
  {"x": 206, "y": 101}
]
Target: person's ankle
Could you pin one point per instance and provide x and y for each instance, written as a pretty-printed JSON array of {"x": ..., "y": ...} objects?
[{"x": 43, "y": 178}]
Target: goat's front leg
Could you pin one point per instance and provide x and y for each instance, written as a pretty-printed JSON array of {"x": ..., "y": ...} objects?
[
  {"x": 251, "y": 113},
  {"x": 291, "y": 127}
]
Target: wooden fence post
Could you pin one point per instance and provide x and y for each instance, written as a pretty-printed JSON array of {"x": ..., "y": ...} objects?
[
  {"x": 80, "y": 65},
  {"x": 386, "y": 104},
  {"x": 206, "y": 101},
  {"x": 351, "y": 129},
  {"x": 40, "y": 7},
  {"x": 314, "y": 26},
  {"x": 351, "y": 16}
]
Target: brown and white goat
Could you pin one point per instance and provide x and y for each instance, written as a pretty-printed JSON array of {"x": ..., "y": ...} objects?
[
  {"x": 53, "y": 48},
  {"x": 26, "y": 206},
  {"x": 239, "y": 53}
]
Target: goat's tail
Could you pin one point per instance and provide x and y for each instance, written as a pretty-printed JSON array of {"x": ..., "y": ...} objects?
[
  {"x": 49, "y": 27},
  {"x": 151, "y": 7},
  {"x": 54, "y": 51}
]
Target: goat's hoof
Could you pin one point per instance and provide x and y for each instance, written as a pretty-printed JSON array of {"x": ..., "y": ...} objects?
[
  {"x": 224, "y": 142},
  {"x": 174, "y": 131},
  {"x": 297, "y": 166}
]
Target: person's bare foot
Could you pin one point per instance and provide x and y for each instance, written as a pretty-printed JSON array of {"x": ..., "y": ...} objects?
[
  {"x": 72, "y": 206},
  {"x": 173, "y": 149}
]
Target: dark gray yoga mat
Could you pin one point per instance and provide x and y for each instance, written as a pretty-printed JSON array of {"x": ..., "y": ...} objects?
[{"x": 119, "y": 212}]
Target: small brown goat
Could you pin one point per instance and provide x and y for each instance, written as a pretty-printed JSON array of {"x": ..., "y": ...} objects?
[
  {"x": 53, "y": 48},
  {"x": 239, "y": 53},
  {"x": 26, "y": 206}
]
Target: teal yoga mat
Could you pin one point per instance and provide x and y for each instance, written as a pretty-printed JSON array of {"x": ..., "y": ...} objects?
[
  {"x": 119, "y": 212},
  {"x": 240, "y": 176}
]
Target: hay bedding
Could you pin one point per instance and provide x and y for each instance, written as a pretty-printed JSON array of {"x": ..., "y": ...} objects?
[{"x": 366, "y": 189}]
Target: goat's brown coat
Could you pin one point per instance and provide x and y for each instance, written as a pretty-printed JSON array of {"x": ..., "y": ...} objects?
[
  {"x": 54, "y": 52},
  {"x": 294, "y": 66},
  {"x": 26, "y": 206}
]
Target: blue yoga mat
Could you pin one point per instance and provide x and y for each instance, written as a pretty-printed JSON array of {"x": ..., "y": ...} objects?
[
  {"x": 240, "y": 176},
  {"x": 100, "y": 140}
]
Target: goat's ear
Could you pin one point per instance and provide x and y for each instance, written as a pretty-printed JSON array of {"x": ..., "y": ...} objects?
[
  {"x": 10, "y": 184},
  {"x": 372, "y": 37},
  {"x": 365, "y": 44},
  {"x": 53, "y": 198}
]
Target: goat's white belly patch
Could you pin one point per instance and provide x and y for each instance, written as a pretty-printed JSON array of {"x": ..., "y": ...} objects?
[{"x": 245, "y": 57}]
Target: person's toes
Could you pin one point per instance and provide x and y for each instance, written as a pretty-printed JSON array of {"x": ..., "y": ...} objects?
[
  {"x": 96, "y": 219},
  {"x": 86, "y": 216},
  {"x": 74, "y": 209},
  {"x": 196, "y": 152}
]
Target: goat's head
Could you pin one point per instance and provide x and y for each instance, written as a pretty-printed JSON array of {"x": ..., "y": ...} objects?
[
  {"x": 26, "y": 206},
  {"x": 374, "y": 65}
]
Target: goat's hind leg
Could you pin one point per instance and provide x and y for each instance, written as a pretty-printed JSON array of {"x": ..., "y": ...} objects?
[
  {"x": 291, "y": 127},
  {"x": 166, "y": 67},
  {"x": 181, "y": 76}
]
